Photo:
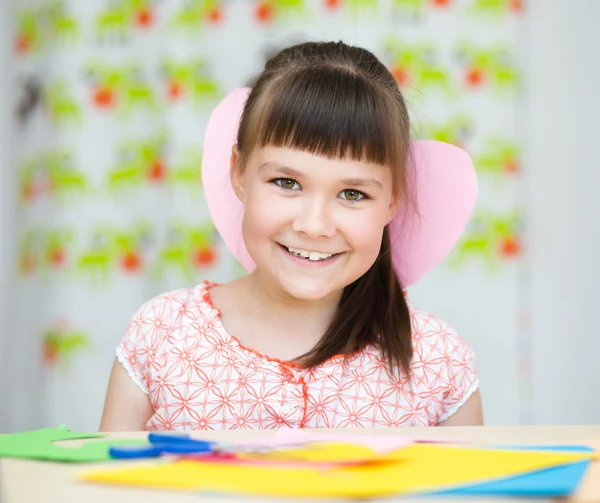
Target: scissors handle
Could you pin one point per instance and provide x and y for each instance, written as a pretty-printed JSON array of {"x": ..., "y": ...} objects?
[
  {"x": 184, "y": 438},
  {"x": 180, "y": 444},
  {"x": 183, "y": 448},
  {"x": 164, "y": 438},
  {"x": 163, "y": 443},
  {"x": 134, "y": 452}
]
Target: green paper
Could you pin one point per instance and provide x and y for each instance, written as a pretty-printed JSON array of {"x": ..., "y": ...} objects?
[{"x": 39, "y": 444}]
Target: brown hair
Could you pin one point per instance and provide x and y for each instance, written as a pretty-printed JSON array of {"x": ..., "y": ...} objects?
[{"x": 340, "y": 101}]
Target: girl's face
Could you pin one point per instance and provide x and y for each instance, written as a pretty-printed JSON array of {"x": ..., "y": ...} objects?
[{"x": 312, "y": 225}]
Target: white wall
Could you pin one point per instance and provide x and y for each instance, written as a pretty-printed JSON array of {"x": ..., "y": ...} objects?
[
  {"x": 564, "y": 199},
  {"x": 6, "y": 209}
]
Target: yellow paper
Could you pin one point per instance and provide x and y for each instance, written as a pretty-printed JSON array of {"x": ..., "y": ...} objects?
[{"x": 413, "y": 469}]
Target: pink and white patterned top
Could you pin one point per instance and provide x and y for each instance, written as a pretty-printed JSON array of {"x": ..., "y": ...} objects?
[{"x": 199, "y": 377}]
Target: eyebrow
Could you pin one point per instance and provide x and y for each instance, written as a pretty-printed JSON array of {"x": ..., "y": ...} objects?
[{"x": 351, "y": 182}]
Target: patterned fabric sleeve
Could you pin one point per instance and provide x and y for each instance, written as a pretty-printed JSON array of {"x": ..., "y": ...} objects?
[
  {"x": 141, "y": 350},
  {"x": 461, "y": 373}
]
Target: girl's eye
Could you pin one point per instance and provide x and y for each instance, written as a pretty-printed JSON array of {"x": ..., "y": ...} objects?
[
  {"x": 286, "y": 183},
  {"x": 352, "y": 195}
]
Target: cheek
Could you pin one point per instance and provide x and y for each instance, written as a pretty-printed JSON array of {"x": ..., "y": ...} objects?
[
  {"x": 261, "y": 216},
  {"x": 365, "y": 232},
  {"x": 366, "y": 239}
]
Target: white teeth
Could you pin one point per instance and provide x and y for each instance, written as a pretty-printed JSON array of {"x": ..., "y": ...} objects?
[{"x": 310, "y": 255}]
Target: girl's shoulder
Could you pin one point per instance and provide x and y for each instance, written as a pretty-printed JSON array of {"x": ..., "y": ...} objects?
[
  {"x": 443, "y": 365},
  {"x": 429, "y": 329},
  {"x": 436, "y": 344},
  {"x": 174, "y": 309},
  {"x": 160, "y": 324},
  {"x": 180, "y": 301}
]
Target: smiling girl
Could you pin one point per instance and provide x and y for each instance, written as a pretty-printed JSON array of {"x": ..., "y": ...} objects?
[{"x": 320, "y": 333}]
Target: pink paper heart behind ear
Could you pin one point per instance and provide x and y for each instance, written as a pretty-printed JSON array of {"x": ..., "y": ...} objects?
[
  {"x": 225, "y": 209},
  {"x": 445, "y": 191},
  {"x": 444, "y": 185}
]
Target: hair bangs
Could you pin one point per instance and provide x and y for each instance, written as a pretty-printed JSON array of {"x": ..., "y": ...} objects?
[{"x": 330, "y": 111}]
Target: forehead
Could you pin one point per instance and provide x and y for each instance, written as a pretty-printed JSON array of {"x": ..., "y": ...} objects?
[{"x": 314, "y": 166}]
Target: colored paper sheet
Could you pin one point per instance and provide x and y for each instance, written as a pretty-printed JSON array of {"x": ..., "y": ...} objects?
[
  {"x": 555, "y": 482},
  {"x": 289, "y": 437},
  {"x": 331, "y": 452},
  {"x": 414, "y": 469},
  {"x": 40, "y": 444}
]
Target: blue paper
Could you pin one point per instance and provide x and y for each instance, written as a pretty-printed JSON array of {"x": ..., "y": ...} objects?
[{"x": 552, "y": 482}]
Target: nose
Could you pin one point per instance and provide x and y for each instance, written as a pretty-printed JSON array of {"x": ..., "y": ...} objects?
[{"x": 314, "y": 219}]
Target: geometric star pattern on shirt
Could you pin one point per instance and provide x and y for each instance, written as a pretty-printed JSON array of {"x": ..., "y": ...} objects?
[{"x": 199, "y": 377}]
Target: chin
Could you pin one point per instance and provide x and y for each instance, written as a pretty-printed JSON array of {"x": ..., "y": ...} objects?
[{"x": 310, "y": 289}]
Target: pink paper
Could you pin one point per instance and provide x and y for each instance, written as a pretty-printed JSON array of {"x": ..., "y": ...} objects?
[{"x": 290, "y": 437}]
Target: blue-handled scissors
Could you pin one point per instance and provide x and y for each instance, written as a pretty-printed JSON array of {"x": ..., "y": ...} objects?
[{"x": 161, "y": 443}]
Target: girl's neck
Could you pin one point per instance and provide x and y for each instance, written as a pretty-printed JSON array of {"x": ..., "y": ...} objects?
[
  {"x": 268, "y": 297},
  {"x": 261, "y": 317},
  {"x": 262, "y": 304}
]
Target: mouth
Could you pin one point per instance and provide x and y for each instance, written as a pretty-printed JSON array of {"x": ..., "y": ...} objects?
[{"x": 308, "y": 255}]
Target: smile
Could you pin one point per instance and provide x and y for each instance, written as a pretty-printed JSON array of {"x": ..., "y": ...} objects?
[{"x": 313, "y": 256}]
